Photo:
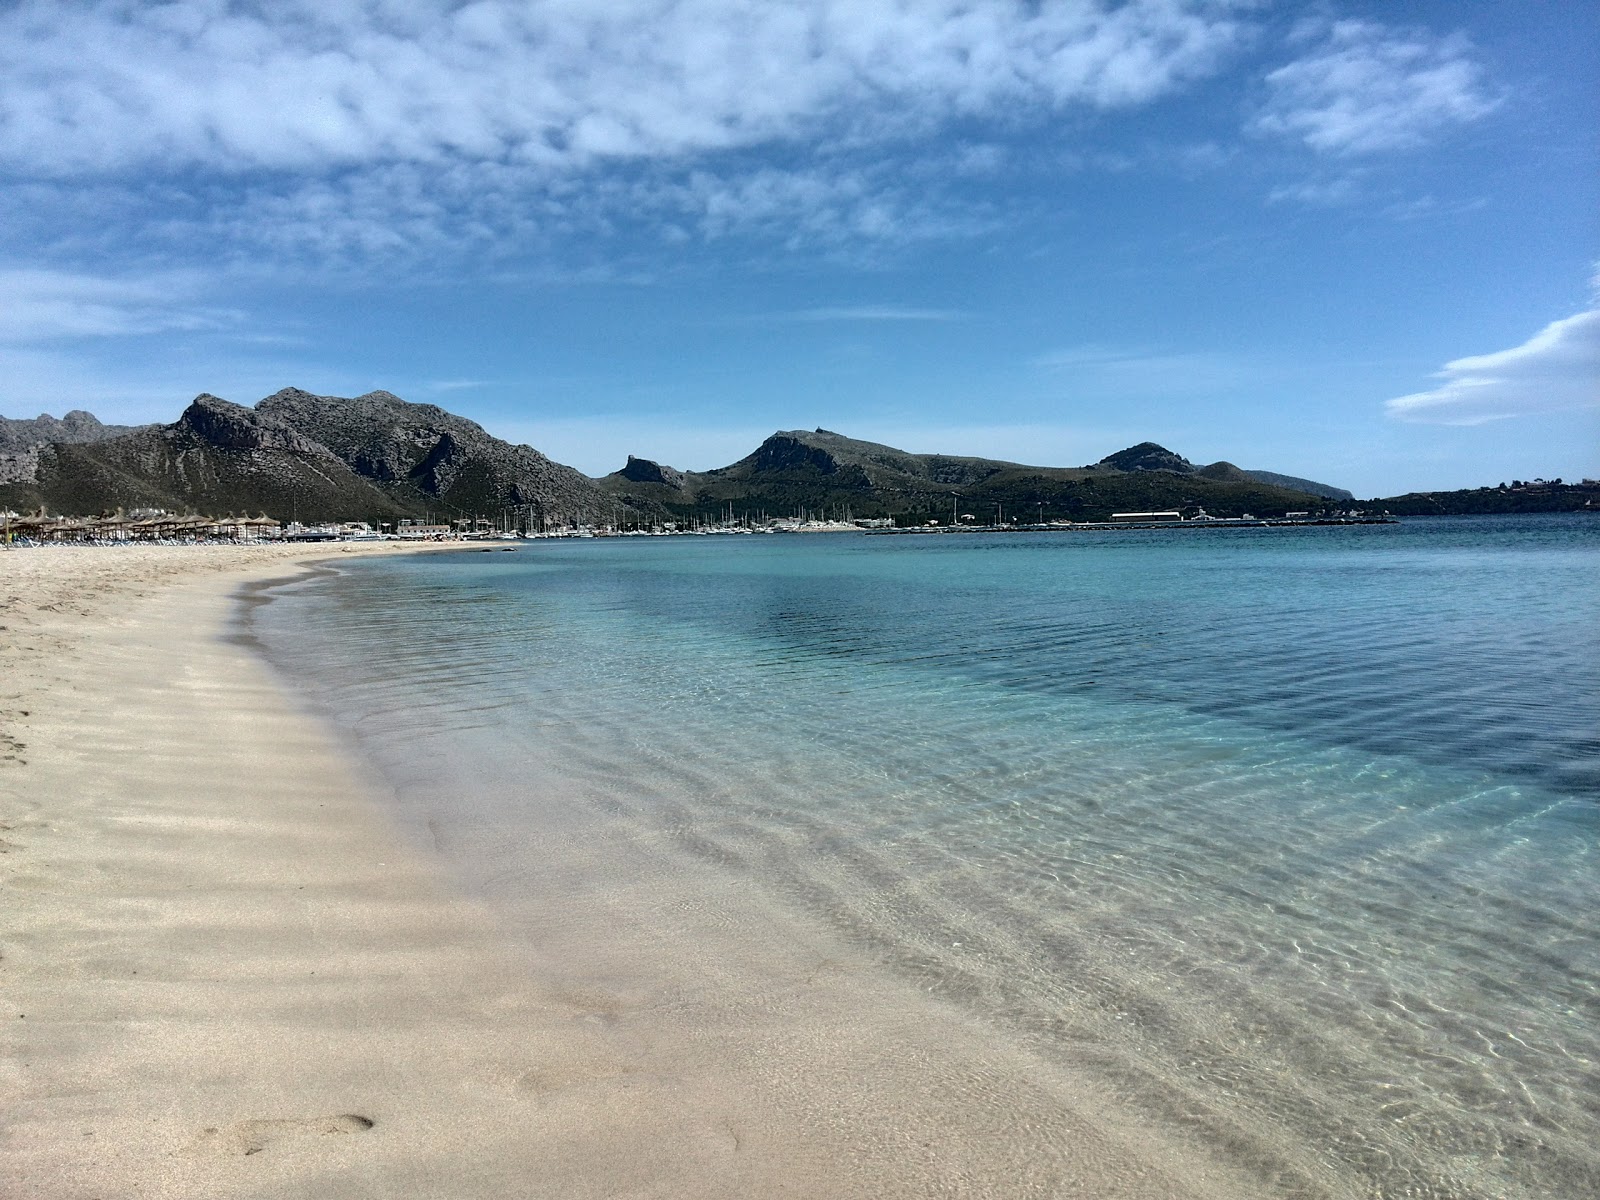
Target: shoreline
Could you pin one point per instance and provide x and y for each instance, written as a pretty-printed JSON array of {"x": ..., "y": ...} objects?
[
  {"x": 233, "y": 974},
  {"x": 227, "y": 975}
]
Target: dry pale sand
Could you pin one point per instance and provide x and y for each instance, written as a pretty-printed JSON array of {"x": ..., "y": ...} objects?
[{"x": 226, "y": 973}]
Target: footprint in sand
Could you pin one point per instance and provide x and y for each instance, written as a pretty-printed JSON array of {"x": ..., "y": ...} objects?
[{"x": 252, "y": 1137}]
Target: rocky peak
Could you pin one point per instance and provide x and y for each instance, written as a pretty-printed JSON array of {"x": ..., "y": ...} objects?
[
  {"x": 82, "y": 425},
  {"x": 644, "y": 470},
  {"x": 786, "y": 452},
  {"x": 1147, "y": 456},
  {"x": 230, "y": 426}
]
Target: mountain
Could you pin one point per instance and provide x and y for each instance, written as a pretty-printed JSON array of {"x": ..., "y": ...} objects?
[
  {"x": 216, "y": 458},
  {"x": 377, "y": 457},
  {"x": 22, "y": 440},
  {"x": 17, "y": 434},
  {"x": 826, "y": 473},
  {"x": 1147, "y": 456},
  {"x": 643, "y": 470},
  {"x": 436, "y": 459},
  {"x": 297, "y": 455}
]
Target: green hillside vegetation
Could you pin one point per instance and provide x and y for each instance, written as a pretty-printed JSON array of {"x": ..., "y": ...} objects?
[
  {"x": 1537, "y": 496},
  {"x": 829, "y": 475}
]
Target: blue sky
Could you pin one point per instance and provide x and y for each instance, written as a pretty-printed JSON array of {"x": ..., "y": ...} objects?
[{"x": 1352, "y": 241}]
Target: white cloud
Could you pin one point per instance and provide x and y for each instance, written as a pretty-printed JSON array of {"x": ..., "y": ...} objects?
[
  {"x": 1367, "y": 87},
  {"x": 43, "y": 305},
  {"x": 1558, "y": 369},
  {"x": 400, "y": 134},
  {"x": 112, "y": 85}
]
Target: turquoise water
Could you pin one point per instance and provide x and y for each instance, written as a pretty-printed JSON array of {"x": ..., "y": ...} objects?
[{"x": 1286, "y": 836}]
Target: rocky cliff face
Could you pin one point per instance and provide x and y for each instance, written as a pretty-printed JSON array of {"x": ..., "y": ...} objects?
[
  {"x": 437, "y": 456},
  {"x": 786, "y": 452},
  {"x": 373, "y": 457},
  {"x": 217, "y": 458},
  {"x": 644, "y": 470},
  {"x": 212, "y": 421}
]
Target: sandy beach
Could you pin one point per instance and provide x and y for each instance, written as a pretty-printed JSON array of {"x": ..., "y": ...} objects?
[{"x": 227, "y": 972}]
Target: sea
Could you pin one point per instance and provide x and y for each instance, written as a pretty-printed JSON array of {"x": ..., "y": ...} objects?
[{"x": 1285, "y": 838}]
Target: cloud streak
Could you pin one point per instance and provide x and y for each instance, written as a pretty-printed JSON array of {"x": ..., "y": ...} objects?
[
  {"x": 1132, "y": 371},
  {"x": 1556, "y": 370},
  {"x": 46, "y": 305}
]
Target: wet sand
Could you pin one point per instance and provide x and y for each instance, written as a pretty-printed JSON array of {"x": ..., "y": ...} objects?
[{"x": 229, "y": 972}]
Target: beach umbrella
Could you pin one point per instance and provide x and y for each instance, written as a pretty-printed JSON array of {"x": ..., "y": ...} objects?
[
  {"x": 260, "y": 524},
  {"x": 61, "y": 528}
]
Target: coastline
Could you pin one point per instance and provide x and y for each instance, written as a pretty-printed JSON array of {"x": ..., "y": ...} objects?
[{"x": 228, "y": 973}]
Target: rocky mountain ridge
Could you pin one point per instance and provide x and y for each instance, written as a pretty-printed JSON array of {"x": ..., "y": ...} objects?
[
  {"x": 298, "y": 455},
  {"x": 824, "y": 472},
  {"x": 25, "y": 433},
  {"x": 23, "y": 439}
]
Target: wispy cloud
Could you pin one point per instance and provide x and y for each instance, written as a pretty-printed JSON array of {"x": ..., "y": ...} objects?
[
  {"x": 1322, "y": 192},
  {"x": 43, "y": 305},
  {"x": 1363, "y": 87},
  {"x": 1428, "y": 207},
  {"x": 1557, "y": 369},
  {"x": 1136, "y": 371}
]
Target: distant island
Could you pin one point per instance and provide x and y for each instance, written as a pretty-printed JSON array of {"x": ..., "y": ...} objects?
[{"x": 380, "y": 459}]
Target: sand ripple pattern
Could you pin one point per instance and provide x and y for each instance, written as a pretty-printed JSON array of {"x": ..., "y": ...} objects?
[{"x": 1288, "y": 838}]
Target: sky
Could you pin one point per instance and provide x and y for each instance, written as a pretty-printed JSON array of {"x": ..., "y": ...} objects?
[{"x": 1357, "y": 242}]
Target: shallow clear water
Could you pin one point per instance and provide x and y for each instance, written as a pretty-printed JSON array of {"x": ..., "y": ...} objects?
[{"x": 1287, "y": 837}]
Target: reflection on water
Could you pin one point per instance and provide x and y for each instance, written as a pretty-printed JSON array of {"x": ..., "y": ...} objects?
[{"x": 1288, "y": 836}]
